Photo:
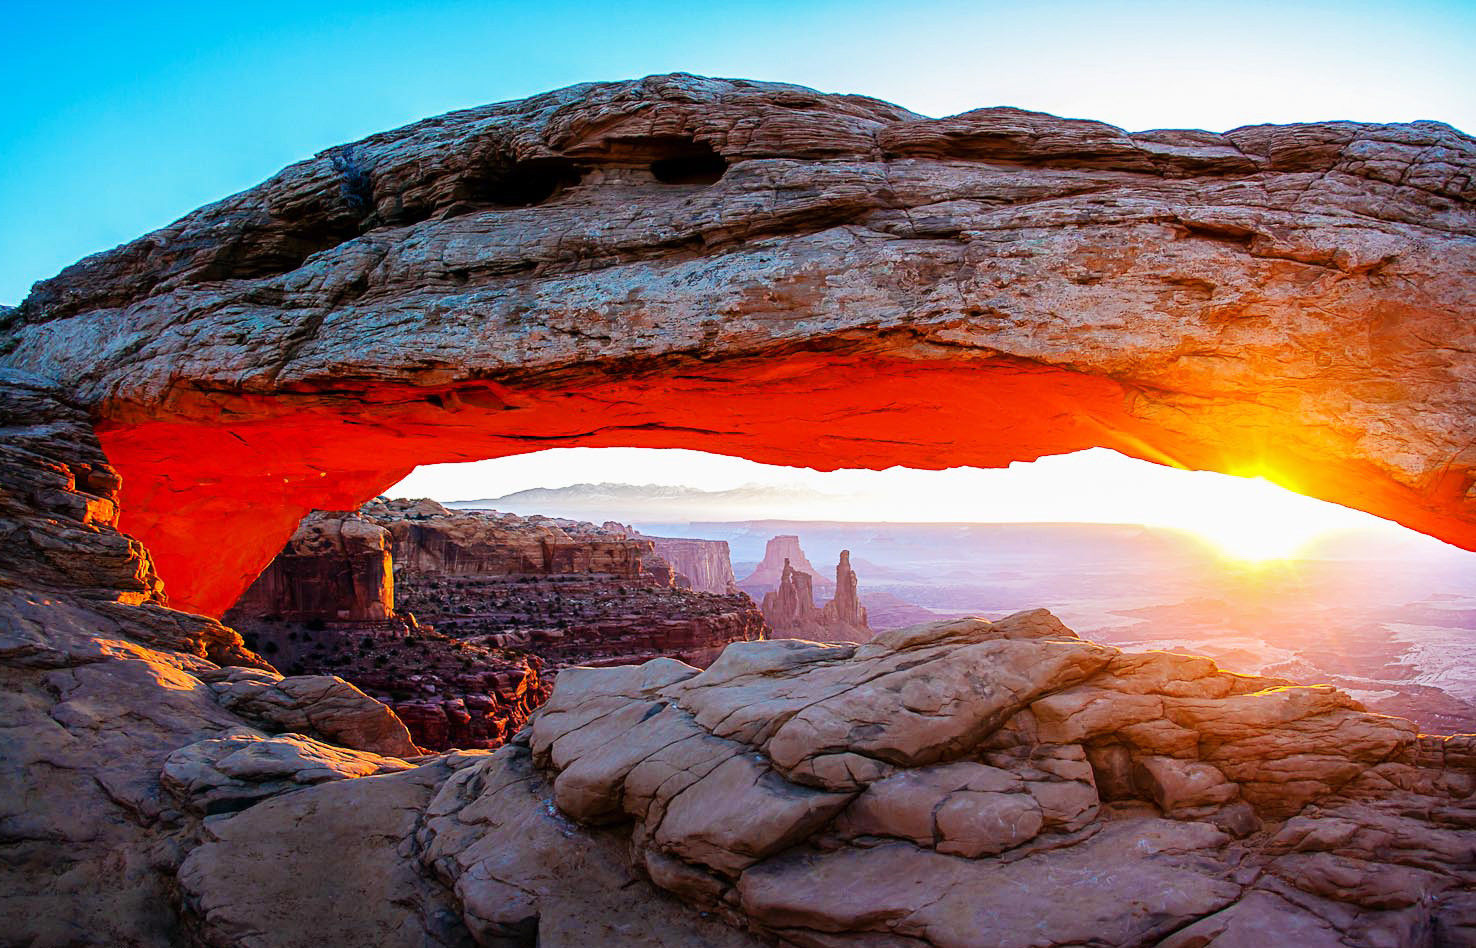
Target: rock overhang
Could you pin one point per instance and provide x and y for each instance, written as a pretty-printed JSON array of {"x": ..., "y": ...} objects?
[{"x": 856, "y": 286}]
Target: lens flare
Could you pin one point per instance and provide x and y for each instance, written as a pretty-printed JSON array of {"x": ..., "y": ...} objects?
[{"x": 1254, "y": 520}]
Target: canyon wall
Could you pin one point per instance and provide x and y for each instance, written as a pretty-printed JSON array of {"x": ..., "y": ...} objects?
[
  {"x": 336, "y": 566},
  {"x": 568, "y": 591},
  {"x": 432, "y": 539},
  {"x": 679, "y": 262},
  {"x": 460, "y": 619},
  {"x": 706, "y": 563}
]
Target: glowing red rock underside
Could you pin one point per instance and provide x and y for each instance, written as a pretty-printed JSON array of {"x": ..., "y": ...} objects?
[{"x": 215, "y": 489}]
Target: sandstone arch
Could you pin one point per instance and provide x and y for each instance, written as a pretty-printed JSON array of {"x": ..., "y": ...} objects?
[{"x": 850, "y": 285}]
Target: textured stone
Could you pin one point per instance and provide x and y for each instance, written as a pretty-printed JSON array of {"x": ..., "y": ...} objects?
[
  {"x": 482, "y": 610},
  {"x": 329, "y": 865},
  {"x": 1178, "y": 785},
  {"x": 623, "y": 263},
  {"x": 225, "y": 774},
  {"x": 313, "y": 704},
  {"x": 707, "y": 564},
  {"x": 334, "y": 566}
]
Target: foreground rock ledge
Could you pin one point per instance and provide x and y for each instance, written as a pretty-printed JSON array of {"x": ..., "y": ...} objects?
[
  {"x": 766, "y": 271},
  {"x": 964, "y": 783}
]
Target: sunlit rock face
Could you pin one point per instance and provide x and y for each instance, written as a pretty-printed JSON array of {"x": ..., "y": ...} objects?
[
  {"x": 706, "y": 564},
  {"x": 762, "y": 270},
  {"x": 963, "y": 783}
]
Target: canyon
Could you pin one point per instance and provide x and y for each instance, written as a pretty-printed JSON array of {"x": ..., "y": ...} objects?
[
  {"x": 461, "y": 619},
  {"x": 679, "y": 261}
]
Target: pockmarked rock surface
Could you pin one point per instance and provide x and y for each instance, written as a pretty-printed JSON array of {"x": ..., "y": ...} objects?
[
  {"x": 963, "y": 783},
  {"x": 681, "y": 262}
]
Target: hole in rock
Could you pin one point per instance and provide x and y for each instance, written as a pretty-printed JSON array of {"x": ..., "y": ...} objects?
[
  {"x": 690, "y": 162},
  {"x": 527, "y": 183}
]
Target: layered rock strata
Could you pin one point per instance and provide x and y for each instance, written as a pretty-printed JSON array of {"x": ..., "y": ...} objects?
[
  {"x": 506, "y": 600},
  {"x": 124, "y": 722},
  {"x": 429, "y": 539},
  {"x": 566, "y": 591},
  {"x": 706, "y": 564},
  {"x": 335, "y": 567},
  {"x": 622, "y": 263},
  {"x": 974, "y": 783}
]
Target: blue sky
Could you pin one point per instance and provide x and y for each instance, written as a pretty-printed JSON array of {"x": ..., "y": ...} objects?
[{"x": 120, "y": 117}]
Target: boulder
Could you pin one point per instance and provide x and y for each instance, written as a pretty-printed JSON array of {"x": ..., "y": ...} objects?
[
  {"x": 230, "y": 773},
  {"x": 324, "y": 705}
]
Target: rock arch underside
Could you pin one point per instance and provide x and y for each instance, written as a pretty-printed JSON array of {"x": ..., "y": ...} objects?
[
  {"x": 765, "y": 271},
  {"x": 859, "y": 287}
]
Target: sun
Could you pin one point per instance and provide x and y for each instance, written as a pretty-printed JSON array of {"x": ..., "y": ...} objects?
[{"x": 1254, "y": 520}]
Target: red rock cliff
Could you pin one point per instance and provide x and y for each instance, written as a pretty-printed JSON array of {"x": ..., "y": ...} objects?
[
  {"x": 336, "y": 566},
  {"x": 706, "y": 563}
]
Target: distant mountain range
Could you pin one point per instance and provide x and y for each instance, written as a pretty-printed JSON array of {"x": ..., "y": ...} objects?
[{"x": 648, "y": 502}]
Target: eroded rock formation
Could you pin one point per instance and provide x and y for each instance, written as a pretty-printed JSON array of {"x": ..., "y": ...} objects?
[
  {"x": 576, "y": 593},
  {"x": 963, "y": 783},
  {"x": 790, "y": 606},
  {"x": 677, "y": 261},
  {"x": 845, "y": 609},
  {"x": 104, "y": 689},
  {"x": 506, "y": 601},
  {"x": 781, "y": 552},
  {"x": 432, "y": 540},
  {"x": 336, "y": 566}
]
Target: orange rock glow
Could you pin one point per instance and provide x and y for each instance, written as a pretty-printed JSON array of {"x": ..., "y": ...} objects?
[{"x": 215, "y": 488}]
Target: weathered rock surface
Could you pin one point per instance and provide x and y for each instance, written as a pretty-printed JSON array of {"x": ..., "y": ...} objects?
[
  {"x": 506, "y": 600},
  {"x": 322, "y": 705},
  {"x": 566, "y": 591},
  {"x": 624, "y": 263},
  {"x": 432, "y": 540},
  {"x": 229, "y": 773},
  {"x": 336, "y": 566},
  {"x": 953, "y": 785},
  {"x": 331, "y": 864}
]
